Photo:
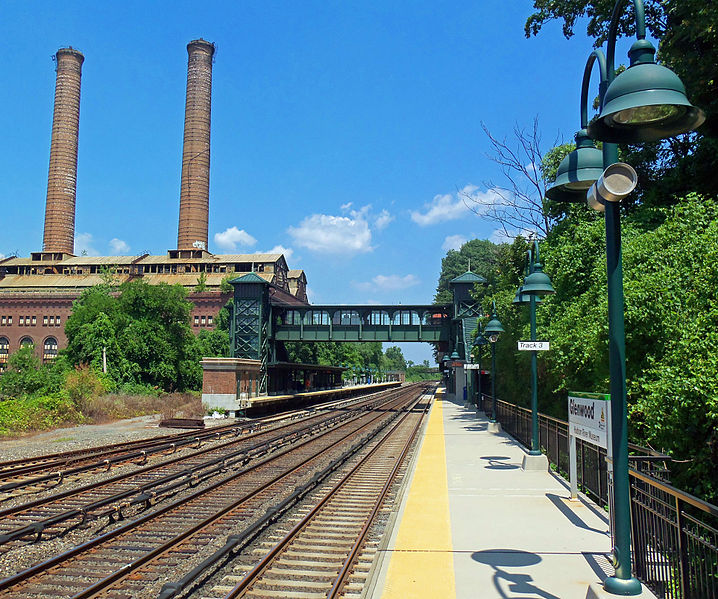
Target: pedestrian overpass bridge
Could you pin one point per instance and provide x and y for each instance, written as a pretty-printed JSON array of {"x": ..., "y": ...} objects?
[{"x": 264, "y": 317}]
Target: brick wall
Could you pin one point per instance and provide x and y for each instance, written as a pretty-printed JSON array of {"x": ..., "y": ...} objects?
[
  {"x": 219, "y": 381},
  {"x": 41, "y": 317},
  {"x": 35, "y": 320}
]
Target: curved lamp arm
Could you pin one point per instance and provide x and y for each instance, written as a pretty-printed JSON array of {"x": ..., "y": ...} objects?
[
  {"x": 640, "y": 17},
  {"x": 599, "y": 57}
]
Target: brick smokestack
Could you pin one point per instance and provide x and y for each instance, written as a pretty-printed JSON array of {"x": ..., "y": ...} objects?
[
  {"x": 59, "y": 235},
  {"x": 194, "y": 190}
]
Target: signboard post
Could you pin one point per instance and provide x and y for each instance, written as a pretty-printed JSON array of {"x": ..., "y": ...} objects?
[{"x": 589, "y": 420}]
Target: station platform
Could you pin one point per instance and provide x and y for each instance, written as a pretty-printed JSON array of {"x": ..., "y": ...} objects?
[
  {"x": 474, "y": 525},
  {"x": 266, "y": 404}
]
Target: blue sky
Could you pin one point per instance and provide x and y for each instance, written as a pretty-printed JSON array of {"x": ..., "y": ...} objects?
[{"x": 341, "y": 131}]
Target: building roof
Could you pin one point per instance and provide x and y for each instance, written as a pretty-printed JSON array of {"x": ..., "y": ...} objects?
[
  {"x": 19, "y": 279},
  {"x": 250, "y": 277},
  {"x": 37, "y": 282},
  {"x": 468, "y": 277},
  {"x": 95, "y": 260},
  {"x": 142, "y": 259}
]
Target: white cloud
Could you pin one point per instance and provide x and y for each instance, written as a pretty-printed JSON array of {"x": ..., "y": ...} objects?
[
  {"x": 280, "y": 249},
  {"x": 118, "y": 247},
  {"x": 441, "y": 208},
  {"x": 448, "y": 207},
  {"x": 325, "y": 233},
  {"x": 533, "y": 169},
  {"x": 453, "y": 242},
  {"x": 83, "y": 245},
  {"x": 345, "y": 207},
  {"x": 388, "y": 283},
  {"x": 383, "y": 220},
  {"x": 232, "y": 236},
  {"x": 2, "y": 256}
]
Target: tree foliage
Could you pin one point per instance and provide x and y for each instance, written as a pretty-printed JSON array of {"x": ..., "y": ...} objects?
[
  {"x": 145, "y": 332},
  {"x": 394, "y": 358},
  {"x": 483, "y": 256},
  {"x": 26, "y": 376},
  {"x": 688, "y": 34},
  {"x": 671, "y": 317}
]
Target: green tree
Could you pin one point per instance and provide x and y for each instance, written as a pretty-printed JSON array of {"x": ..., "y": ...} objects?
[
  {"x": 394, "y": 358},
  {"x": 201, "y": 283},
  {"x": 482, "y": 254},
  {"x": 27, "y": 376},
  {"x": 146, "y": 333},
  {"x": 688, "y": 34}
]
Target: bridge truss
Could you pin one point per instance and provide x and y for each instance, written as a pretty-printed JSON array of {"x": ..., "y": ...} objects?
[{"x": 264, "y": 317}]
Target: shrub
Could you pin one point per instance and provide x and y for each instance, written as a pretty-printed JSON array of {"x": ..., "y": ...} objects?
[
  {"x": 83, "y": 385},
  {"x": 38, "y": 413}
]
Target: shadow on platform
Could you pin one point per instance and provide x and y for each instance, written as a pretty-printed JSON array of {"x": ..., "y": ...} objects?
[
  {"x": 570, "y": 515},
  {"x": 496, "y": 462},
  {"x": 512, "y": 585}
]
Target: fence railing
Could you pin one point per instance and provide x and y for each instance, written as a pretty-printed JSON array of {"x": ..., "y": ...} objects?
[{"x": 674, "y": 534}]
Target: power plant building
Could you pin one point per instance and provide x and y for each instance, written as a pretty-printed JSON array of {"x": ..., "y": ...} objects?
[{"x": 36, "y": 293}]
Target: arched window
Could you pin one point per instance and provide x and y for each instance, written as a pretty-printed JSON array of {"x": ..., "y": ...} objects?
[
  {"x": 379, "y": 317},
  {"x": 317, "y": 317},
  {"x": 346, "y": 318},
  {"x": 405, "y": 317},
  {"x": 26, "y": 341},
  {"x": 49, "y": 349},
  {"x": 4, "y": 351}
]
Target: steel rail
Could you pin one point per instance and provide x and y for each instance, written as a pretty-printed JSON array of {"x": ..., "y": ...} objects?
[
  {"x": 266, "y": 561},
  {"x": 135, "y": 524},
  {"x": 131, "y": 567},
  {"x": 24, "y": 466},
  {"x": 348, "y": 563},
  {"x": 145, "y": 490},
  {"x": 236, "y": 542}
]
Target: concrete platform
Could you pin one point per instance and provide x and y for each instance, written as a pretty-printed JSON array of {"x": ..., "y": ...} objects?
[{"x": 475, "y": 525}]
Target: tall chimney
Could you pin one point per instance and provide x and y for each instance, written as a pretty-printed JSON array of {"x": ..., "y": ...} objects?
[
  {"x": 194, "y": 190},
  {"x": 59, "y": 235}
]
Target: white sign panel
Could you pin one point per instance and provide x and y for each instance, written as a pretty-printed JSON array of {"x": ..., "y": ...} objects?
[
  {"x": 588, "y": 417},
  {"x": 471, "y": 367},
  {"x": 533, "y": 345}
]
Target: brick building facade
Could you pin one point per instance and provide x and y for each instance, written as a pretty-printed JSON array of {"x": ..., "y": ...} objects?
[{"x": 36, "y": 293}]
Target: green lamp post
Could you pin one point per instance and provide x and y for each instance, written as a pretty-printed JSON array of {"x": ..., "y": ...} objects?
[
  {"x": 492, "y": 329},
  {"x": 646, "y": 102},
  {"x": 536, "y": 283},
  {"x": 479, "y": 343}
]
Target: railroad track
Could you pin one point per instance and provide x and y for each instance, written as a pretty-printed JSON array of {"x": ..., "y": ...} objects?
[
  {"x": 319, "y": 557},
  {"x": 139, "y": 555},
  {"x": 42, "y": 473},
  {"x": 49, "y": 469},
  {"x": 119, "y": 495}
]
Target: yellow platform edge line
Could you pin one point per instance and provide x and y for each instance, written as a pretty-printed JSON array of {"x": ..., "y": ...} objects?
[{"x": 422, "y": 562}]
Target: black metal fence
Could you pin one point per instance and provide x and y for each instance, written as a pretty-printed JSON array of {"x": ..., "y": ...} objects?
[{"x": 674, "y": 534}]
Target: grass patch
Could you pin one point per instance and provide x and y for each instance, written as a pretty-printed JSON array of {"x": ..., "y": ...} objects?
[
  {"x": 117, "y": 406},
  {"x": 38, "y": 413},
  {"x": 29, "y": 414}
]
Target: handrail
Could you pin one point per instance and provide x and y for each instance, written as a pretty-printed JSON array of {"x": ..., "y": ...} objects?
[
  {"x": 634, "y": 446},
  {"x": 704, "y": 506},
  {"x": 674, "y": 535}
]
